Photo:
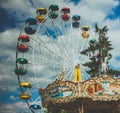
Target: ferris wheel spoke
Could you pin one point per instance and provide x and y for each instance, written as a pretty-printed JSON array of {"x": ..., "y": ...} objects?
[
  {"x": 29, "y": 106},
  {"x": 45, "y": 30},
  {"x": 22, "y": 28},
  {"x": 64, "y": 52},
  {"x": 50, "y": 49},
  {"x": 59, "y": 47},
  {"x": 68, "y": 74},
  {"x": 50, "y": 39},
  {"x": 47, "y": 76},
  {"x": 84, "y": 43},
  {"x": 45, "y": 58},
  {"x": 64, "y": 49},
  {"x": 36, "y": 100},
  {"x": 63, "y": 27},
  {"x": 39, "y": 63},
  {"x": 72, "y": 74},
  {"x": 53, "y": 24},
  {"x": 17, "y": 41}
]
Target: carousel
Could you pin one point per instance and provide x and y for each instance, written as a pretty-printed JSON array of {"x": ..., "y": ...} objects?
[{"x": 95, "y": 95}]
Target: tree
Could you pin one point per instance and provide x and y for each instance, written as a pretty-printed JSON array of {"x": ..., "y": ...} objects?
[{"x": 99, "y": 54}]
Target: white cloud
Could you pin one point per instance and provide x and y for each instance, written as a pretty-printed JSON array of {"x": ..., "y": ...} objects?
[
  {"x": 12, "y": 98},
  {"x": 17, "y": 107},
  {"x": 7, "y": 108},
  {"x": 113, "y": 24},
  {"x": 100, "y": 4},
  {"x": 16, "y": 6},
  {"x": 114, "y": 37},
  {"x": 96, "y": 11},
  {"x": 9, "y": 37}
]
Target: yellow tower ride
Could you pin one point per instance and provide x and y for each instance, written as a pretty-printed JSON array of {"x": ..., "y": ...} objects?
[{"x": 77, "y": 74}]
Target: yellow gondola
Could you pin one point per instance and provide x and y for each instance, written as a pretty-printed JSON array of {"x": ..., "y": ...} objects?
[
  {"x": 85, "y": 28},
  {"x": 41, "y": 11},
  {"x": 41, "y": 18},
  {"x": 25, "y": 85},
  {"x": 25, "y": 96},
  {"x": 85, "y": 34}
]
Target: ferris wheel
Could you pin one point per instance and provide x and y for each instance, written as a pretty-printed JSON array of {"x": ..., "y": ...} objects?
[{"x": 48, "y": 48}]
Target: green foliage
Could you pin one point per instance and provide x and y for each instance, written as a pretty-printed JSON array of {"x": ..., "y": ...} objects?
[{"x": 112, "y": 72}]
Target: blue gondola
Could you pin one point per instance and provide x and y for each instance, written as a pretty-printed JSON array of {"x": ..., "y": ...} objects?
[
  {"x": 35, "y": 106},
  {"x": 76, "y": 18},
  {"x": 31, "y": 21},
  {"x": 29, "y": 30},
  {"x": 76, "y": 24}
]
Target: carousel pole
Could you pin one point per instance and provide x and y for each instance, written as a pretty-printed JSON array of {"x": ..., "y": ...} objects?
[{"x": 82, "y": 108}]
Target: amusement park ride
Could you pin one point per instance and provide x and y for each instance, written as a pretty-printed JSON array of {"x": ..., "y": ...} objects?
[{"x": 56, "y": 63}]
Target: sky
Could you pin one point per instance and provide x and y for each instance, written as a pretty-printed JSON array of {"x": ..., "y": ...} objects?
[{"x": 13, "y": 14}]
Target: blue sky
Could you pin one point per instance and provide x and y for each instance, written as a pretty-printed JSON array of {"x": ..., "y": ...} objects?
[{"x": 13, "y": 13}]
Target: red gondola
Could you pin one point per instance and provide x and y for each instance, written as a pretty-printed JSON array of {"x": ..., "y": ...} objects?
[
  {"x": 65, "y": 10},
  {"x": 22, "y": 48},
  {"x": 65, "y": 17},
  {"x": 24, "y": 38}
]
